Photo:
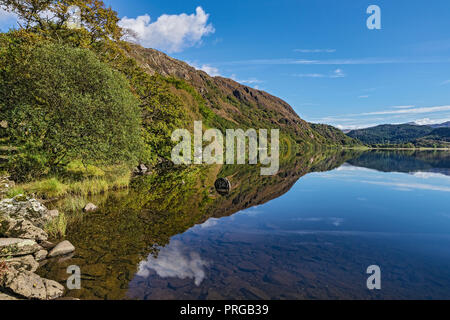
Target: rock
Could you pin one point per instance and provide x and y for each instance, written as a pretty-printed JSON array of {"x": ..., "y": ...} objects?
[
  {"x": 53, "y": 213},
  {"x": 7, "y": 297},
  {"x": 25, "y": 263},
  {"x": 31, "y": 286},
  {"x": 61, "y": 249},
  {"x": 23, "y": 229},
  {"x": 90, "y": 207},
  {"x": 141, "y": 170},
  {"x": 3, "y": 124},
  {"x": 41, "y": 255},
  {"x": 18, "y": 247},
  {"x": 25, "y": 284},
  {"x": 54, "y": 289},
  {"x": 223, "y": 186},
  {"x": 47, "y": 245},
  {"x": 23, "y": 208}
]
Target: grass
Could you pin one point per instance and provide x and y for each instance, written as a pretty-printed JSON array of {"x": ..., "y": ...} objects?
[
  {"x": 77, "y": 181},
  {"x": 57, "y": 228}
]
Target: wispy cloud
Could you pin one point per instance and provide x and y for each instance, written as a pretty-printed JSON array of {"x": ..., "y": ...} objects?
[
  {"x": 338, "y": 73},
  {"x": 315, "y": 50},
  {"x": 410, "y": 186},
  {"x": 408, "y": 111},
  {"x": 364, "y": 97},
  {"x": 445, "y": 82},
  {"x": 362, "y": 61}
]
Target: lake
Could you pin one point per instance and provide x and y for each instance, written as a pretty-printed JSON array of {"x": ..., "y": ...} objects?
[{"x": 309, "y": 232}]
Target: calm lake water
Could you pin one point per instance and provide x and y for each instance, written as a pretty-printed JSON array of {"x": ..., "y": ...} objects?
[{"x": 308, "y": 233}]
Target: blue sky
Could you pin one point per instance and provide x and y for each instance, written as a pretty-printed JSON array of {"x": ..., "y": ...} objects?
[{"x": 319, "y": 56}]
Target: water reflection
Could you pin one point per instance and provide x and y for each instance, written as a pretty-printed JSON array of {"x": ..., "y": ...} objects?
[
  {"x": 175, "y": 261},
  {"x": 307, "y": 233}
]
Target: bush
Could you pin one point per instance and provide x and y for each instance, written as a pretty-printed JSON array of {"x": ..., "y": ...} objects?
[{"x": 65, "y": 104}]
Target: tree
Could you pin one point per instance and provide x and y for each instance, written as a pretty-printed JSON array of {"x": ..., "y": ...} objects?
[
  {"x": 100, "y": 21},
  {"x": 62, "y": 103}
]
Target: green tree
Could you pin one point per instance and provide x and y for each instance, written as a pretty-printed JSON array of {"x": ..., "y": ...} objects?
[{"x": 62, "y": 103}]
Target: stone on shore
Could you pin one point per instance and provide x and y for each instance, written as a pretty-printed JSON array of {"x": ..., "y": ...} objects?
[
  {"x": 31, "y": 286},
  {"x": 90, "y": 207},
  {"x": 11, "y": 247},
  {"x": 23, "y": 208},
  {"x": 61, "y": 249},
  {"x": 25, "y": 263},
  {"x": 41, "y": 255},
  {"x": 7, "y": 297},
  {"x": 23, "y": 229}
]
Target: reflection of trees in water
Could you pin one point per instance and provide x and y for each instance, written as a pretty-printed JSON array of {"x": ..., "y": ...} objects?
[
  {"x": 404, "y": 161},
  {"x": 112, "y": 242}
]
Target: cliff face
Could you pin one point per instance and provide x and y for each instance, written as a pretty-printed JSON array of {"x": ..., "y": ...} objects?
[{"x": 233, "y": 104}]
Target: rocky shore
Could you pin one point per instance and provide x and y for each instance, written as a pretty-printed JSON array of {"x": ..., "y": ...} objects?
[{"x": 24, "y": 247}]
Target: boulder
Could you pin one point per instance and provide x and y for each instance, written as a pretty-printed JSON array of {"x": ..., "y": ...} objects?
[
  {"x": 47, "y": 245},
  {"x": 61, "y": 249},
  {"x": 23, "y": 208},
  {"x": 25, "y": 263},
  {"x": 90, "y": 207},
  {"x": 11, "y": 247},
  {"x": 22, "y": 229},
  {"x": 7, "y": 297},
  {"x": 31, "y": 286},
  {"x": 223, "y": 186},
  {"x": 41, "y": 255}
]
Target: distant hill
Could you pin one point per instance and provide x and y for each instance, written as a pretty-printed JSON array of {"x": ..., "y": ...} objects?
[
  {"x": 334, "y": 135},
  {"x": 442, "y": 125},
  {"x": 390, "y": 134}
]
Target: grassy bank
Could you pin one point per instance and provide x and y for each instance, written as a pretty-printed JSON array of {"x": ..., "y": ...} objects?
[{"x": 76, "y": 180}]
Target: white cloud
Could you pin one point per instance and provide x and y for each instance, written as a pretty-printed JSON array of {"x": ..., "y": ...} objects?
[
  {"x": 315, "y": 50},
  {"x": 445, "y": 82},
  {"x": 428, "y": 121},
  {"x": 212, "y": 71},
  {"x": 171, "y": 33},
  {"x": 175, "y": 261},
  {"x": 338, "y": 73},
  {"x": 410, "y": 186},
  {"x": 363, "y": 97},
  {"x": 362, "y": 61},
  {"x": 409, "y": 111}
]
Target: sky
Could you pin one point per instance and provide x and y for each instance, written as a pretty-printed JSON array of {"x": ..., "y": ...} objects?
[{"x": 319, "y": 56}]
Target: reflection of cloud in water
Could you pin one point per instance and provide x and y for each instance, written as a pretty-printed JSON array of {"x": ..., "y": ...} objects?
[
  {"x": 175, "y": 261},
  {"x": 210, "y": 223},
  {"x": 337, "y": 222},
  {"x": 410, "y": 186},
  {"x": 251, "y": 211}
]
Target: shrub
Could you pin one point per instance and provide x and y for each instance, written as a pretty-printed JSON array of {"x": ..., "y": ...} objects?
[{"x": 64, "y": 104}]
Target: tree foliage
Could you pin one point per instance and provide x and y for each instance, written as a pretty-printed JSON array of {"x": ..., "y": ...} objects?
[{"x": 62, "y": 103}]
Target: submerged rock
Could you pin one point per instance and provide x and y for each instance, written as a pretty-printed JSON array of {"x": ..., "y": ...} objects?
[
  {"x": 223, "y": 186},
  {"x": 61, "y": 249},
  {"x": 90, "y": 207}
]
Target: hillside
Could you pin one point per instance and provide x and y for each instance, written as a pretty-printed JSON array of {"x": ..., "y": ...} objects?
[
  {"x": 441, "y": 125},
  {"x": 334, "y": 135},
  {"x": 227, "y": 103},
  {"x": 390, "y": 134}
]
